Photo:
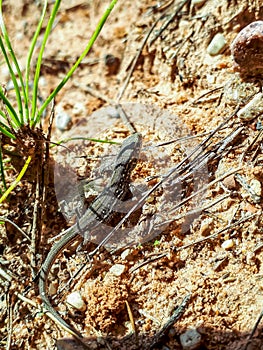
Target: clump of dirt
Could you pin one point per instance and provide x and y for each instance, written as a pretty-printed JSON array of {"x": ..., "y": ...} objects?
[{"x": 105, "y": 302}]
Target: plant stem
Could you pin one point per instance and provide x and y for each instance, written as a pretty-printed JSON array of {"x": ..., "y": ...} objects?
[
  {"x": 31, "y": 51},
  {"x": 39, "y": 61}
]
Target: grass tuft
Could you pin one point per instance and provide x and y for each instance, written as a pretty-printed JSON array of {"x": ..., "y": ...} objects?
[{"x": 27, "y": 111}]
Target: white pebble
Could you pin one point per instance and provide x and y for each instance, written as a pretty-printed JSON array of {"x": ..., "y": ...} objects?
[
  {"x": 228, "y": 244},
  {"x": 210, "y": 78},
  {"x": 5, "y": 72},
  {"x": 191, "y": 339},
  {"x": 216, "y": 45},
  {"x": 256, "y": 187},
  {"x": 125, "y": 254},
  {"x": 117, "y": 269},
  {"x": 42, "y": 81},
  {"x": 75, "y": 300},
  {"x": 253, "y": 108},
  {"x": 20, "y": 36},
  {"x": 62, "y": 121},
  {"x": 78, "y": 109},
  {"x": 9, "y": 85}
]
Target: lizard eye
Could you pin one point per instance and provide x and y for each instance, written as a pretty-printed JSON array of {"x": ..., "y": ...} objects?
[{"x": 104, "y": 211}]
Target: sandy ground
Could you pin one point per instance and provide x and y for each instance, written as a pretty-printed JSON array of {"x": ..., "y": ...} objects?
[{"x": 210, "y": 249}]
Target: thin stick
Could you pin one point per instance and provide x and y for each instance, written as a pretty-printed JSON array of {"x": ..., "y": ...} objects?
[
  {"x": 175, "y": 316},
  {"x": 125, "y": 118},
  {"x": 253, "y": 330},
  {"x": 131, "y": 318},
  {"x": 35, "y": 226},
  {"x": 10, "y": 323},
  {"x": 177, "y": 249},
  {"x": 256, "y": 139},
  {"x": 171, "y": 18},
  {"x": 135, "y": 60},
  {"x": 206, "y": 94},
  {"x": 118, "y": 107},
  {"x": 15, "y": 225},
  {"x": 184, "y": 138},
  {"x": 46, "y": 168},
  {"x": 218, "y": 232},
  {"x": 210, "y": 184},
  {"x": 248, "y": 188},
  {"x": 95, "y": 93}
]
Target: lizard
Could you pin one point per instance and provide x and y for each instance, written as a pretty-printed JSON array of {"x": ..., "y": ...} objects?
[{"x": 101, "y": 210}]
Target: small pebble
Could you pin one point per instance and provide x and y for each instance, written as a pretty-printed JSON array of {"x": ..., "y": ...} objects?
[
  {"x": 250, "y": 258},
  {"x": 9, "y": 86},
  {"x": 78, "y": 108},
  {"x": 217, "y": 45},
  {"x": 191, "y": 339},
  {"x": 5, "y": 72},
  {"x": 129, "y": 327},
  {"x": 206, "y": 226},
  {"x": 125, "y": 254},
  {"x": 228, "y": 244},
  {"x": 117, "y": 269},
  {"x": 19, "y": 36},
  {"x": 62, "y": 121},
  {"x": 112, "y": 63},
  {"x": 253, "y": 108},
  {"x": 247, "y": 50},
  {"x": 256, "y": 187},
  {"x": 42, "y": 81},
  {"x": 230, "y": 182},
  {"x": 75, "y": 300},
  {"x": 210, "y": 78}
]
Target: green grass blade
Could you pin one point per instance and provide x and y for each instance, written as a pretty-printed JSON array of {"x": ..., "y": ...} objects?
[
  {"x": 12, "y": 113},
  {"x": 13, "y": 57},
  {"x": 75, "y": 66},
  {"x": 7, "y": 133},
  {"x": 31, "y": 51},
  {"x": 5, "y": 130},
  {"x": 39, "y": 61},
  {"x": 13, "y": 77}
]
